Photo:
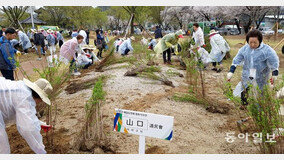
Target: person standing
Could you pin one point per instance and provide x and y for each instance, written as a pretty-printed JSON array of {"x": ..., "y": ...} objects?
[
  {"x": 24, "y": 41},
  {"x": 165, "y": 45},
  {"x": 7, "y": 51},
  {"x": 18, "y": 104},
  {"x": 84, "y": 34},
  {"x": 88, "y": 36},
  {"x": 39, "y": 42},
  {"x": 51, "y": 39},
  {"x": 74, "y": 33},
  {"x": 60, "y": 38},
  {"x": 158, "y": 33},
  {"x": 198, "y": 36},
  {"x": 99, "y": 43},
  {"x": 259, "y": 61}
]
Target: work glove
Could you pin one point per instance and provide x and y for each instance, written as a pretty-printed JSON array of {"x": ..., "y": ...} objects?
[
  {"x": 18, "y": 53},
  {"x": 272, "y": 81},
  {"x": 44, "y": 126},
  {"x": 229, "y": 76},
  {"x": 16, "y": 69}
]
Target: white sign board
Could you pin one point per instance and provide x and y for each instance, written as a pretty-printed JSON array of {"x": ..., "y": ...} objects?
[{"x": 143, "y": 124}]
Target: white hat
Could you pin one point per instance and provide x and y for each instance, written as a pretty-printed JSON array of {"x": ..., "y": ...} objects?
[
  {"x": 92, "y": 47},
  {"x": 42, "y": 87},
  {"x": 132, "y": 38},
  {"x": 85, "y": 47},
  {"x": 212, "y": 32},
  {"x": 49, "y": 31}
]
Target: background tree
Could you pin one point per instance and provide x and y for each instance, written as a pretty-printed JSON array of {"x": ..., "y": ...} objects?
[
  {"x": 15, "y": 14},
  {"x": 53, "y": 15}
]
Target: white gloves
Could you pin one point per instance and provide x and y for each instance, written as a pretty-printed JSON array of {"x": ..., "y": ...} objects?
[
  {"x": 18, "y": 53},
  {"x": 229, "y": 76}
]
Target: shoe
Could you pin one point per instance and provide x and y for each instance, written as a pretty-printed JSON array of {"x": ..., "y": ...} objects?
[
  {"x": 39, "y": 59},
  {"x": 76, "y": 73},
  {"x": 165, "y": 62},
  {"x": 170, "y": 63},
  {"x": 219, "y": 70},
  {"x": 214, "y": 69}
]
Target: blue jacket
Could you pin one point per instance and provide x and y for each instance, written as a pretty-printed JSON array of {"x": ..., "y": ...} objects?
[
  {"x": 158, "y": 33},
  {"x": 59, "y": 36},
  {"x": 50, "y": 39},
  {"x": 7, "y": 51}
]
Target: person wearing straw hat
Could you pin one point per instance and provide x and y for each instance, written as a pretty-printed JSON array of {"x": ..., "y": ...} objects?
[
  {"x": 126, "y": 46},
  {"x": 166, "y": 44},
  {"x": 219, "y": 49},
  {"x": 83, "y": 61},
  {"x": 19, "y": 102},
  {"x": 90, "y": 54}
]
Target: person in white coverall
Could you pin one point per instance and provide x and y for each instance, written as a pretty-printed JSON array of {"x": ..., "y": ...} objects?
[{"x": 18, "y": 100}]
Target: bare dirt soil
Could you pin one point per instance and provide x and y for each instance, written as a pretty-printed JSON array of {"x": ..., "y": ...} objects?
[{"x": 195, "y": 129}]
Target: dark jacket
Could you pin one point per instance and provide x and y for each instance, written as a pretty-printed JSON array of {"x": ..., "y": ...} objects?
[
  {"x": 39, "y": 39},
  {"x": 7, "y": 51},
  {"x": 158, "y": 33}
]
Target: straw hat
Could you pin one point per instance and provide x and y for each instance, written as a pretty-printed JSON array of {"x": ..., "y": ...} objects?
[
  {"x": 42, "y": 87},
  {"x": 85, "y": 47},
  {"x": 132, "y": 38},
  {"x": 49, "y": 31},
  {"x": 212, "y": 32},
  {"x": 92, "y": 47}
]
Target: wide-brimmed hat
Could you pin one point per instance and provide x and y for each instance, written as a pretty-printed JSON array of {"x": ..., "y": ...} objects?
[
  {"x": 92, "y": 47},
  {"x": 49, "y": 31},
  {"x": 85, "y": 47},
  {"x": 132, "y": 38},
  {"x": 179, "y": 34},
  {"x": 212, "y": 32},
  {"x": 42, "y": 87}
]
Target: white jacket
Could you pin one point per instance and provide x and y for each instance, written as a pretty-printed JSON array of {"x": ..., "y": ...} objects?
[
  {"x": 17, "y": 105},
  {"x": 125, "y": 45},
  {"x": 198, "y": 37},
  {"x": 219, "y": 48},
  {"x": 82, "y": 60},
  {"x": 84, "y": 34}
]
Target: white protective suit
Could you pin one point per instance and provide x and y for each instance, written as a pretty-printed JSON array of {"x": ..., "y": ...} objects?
[
  {"x": 84, "y": 34},
  {"x": 219, "y": 48},
  {"x": 24, "y": 40},
  {"x": 83, "y": 60},
  {"x": 17, "y": 105},
  {"x": 198, "y": 37},
  {"x": 125, "y": 45}
]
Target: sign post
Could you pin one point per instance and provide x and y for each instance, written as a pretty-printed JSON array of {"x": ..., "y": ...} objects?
[
  {"x": 142, "y": 144},
  {"x": 143, "y": 124}
]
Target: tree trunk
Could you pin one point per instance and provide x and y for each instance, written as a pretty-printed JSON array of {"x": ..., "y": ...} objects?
[
  {"x": 238, "y": 25},
  {"x": 132, "y": 24}
]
